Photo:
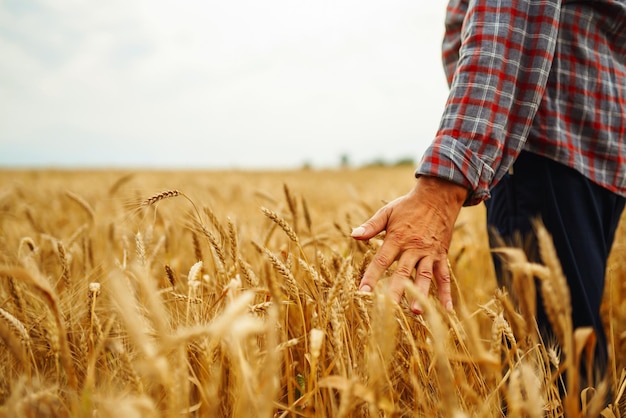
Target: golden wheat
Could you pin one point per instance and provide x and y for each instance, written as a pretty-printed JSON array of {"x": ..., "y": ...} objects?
[
  {"x": 278, "y": 220},
  {"x": 82, "y": 203},
  {"x": 258, "y": 326}
]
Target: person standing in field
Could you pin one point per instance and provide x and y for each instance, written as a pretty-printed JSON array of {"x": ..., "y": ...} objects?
[{"x": 535, "y": 126}]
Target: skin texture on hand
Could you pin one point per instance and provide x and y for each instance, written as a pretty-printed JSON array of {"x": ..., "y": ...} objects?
[{"x": 419, "y": 228}]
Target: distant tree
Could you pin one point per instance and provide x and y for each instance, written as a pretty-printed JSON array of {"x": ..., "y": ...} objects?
[
  {"x": 405, "y": 161},
  {"x": 344, "y": 161},
  {"x": 378, "y": 162}
]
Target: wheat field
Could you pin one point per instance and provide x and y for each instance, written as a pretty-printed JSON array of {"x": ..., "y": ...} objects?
[{"x": 218, "y": 294}]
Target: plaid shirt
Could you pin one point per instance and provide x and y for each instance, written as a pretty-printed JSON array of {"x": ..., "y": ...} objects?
[{"x": 546, "y": 76}]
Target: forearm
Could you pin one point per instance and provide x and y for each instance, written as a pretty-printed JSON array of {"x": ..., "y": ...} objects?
[{"x": 447, "y": 196}]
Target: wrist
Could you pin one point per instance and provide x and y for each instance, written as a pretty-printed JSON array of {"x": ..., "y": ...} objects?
[{"x": 447, "y": 192}]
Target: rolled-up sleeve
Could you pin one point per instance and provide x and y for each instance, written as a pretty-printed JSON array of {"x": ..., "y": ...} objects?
[{"x": 505, "y": 49}]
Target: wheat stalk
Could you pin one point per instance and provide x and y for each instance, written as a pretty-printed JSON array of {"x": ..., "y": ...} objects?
[
  {"x": 33, "y": 222},
  {"x": 303, "y": 341},
  {"x": 93, "y": 293},
  {"x": 119, "y": 183},
  {"x": 441, "y": 361},
  {"x": 30, "y": 244},
  {"x": 51, "y": 299},
  {"x": 116, "y": 348},
  {"x": 293, "y": 207},
  {"x": 82, "y": 203},
  {"x": 307, "y": 215}
]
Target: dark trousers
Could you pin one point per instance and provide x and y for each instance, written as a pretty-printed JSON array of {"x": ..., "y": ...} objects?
[{"x": 581, "y": 217}]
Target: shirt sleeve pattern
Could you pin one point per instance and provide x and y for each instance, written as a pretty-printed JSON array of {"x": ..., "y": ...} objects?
[{"x": 505, "y": 53}]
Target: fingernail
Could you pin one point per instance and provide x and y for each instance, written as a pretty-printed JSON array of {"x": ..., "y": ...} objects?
[
  {"x": 416, "y": 309},
  {"x": 358, "y": 231},
  {"x": 365, "y": 288},
  {"x": 449, "y": 307}
]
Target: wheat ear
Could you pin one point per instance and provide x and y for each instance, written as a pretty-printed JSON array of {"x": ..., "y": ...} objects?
[
  {"x": 557, "y": 302},
  {"x": 51, "y": 299},
  {"x": 15, "y": 336},
  {"x": 278, "y": 220},
  {"x": 171, "y": 277},
  {"x": 217, "y": 248},
  {"x": 214, "y": 221},
  {"x": 290, "y": 282},
  {"x": 234, "y": 242},
  {"x": 140, "y": 248},
  {"x": 291, "y": 233},
  {"x": 293, "y": 207},
  {"x": 65, "y": 266},
  {"x": 168, "y": 194}
]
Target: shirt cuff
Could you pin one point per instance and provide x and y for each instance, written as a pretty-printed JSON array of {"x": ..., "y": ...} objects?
[{"x": 451, "y": 160}]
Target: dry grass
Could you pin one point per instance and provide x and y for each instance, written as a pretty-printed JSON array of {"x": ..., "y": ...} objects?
[{"x": 235, "y": 294}]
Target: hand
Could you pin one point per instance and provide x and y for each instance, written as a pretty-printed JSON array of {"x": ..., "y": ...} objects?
[{"x": 419, "y": 228}]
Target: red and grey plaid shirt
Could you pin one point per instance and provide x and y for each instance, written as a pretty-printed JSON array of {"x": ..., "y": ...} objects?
[{"x": 545, "y": 76}]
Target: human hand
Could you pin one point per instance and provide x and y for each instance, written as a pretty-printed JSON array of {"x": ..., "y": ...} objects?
[{"x": 419, "y": 228}]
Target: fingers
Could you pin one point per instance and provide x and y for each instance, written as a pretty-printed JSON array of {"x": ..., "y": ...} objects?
[
  {"x": 372, "y": 226},
  {"x": 443, "y": 276},
  {"x": 402, "y": 274},
  {"x": 426, "y": 256},
  {"x": 385, "y": 256},
  {"x": 427, "y": 270},
  {"x": 423, "y": 280}
]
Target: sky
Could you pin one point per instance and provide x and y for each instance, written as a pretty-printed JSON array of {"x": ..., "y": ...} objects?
[{"x": 218, "y": 84}]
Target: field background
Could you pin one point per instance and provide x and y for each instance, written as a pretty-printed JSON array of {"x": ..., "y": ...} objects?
[{"x": 105, "y": 309}]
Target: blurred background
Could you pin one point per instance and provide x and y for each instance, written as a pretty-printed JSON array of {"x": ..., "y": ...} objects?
[{"x": 218, "y": 84}]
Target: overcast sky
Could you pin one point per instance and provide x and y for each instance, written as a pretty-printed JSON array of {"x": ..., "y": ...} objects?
[{"x": 218, "y": 83}]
